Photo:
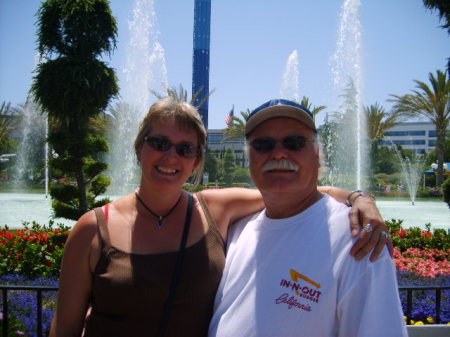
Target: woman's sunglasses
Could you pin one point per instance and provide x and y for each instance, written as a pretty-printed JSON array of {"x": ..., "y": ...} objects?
[
  {"x": 291, "y": 143},
  {"x": 162, "y": 144}
]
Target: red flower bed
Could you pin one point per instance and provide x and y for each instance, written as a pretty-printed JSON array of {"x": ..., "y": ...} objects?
[
  {"x": 425, "y": 262},
  {"x": 32, "y": 251}
]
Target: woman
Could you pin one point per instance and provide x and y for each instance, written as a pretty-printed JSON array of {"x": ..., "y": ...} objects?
[{"x": 120, "y": 259}]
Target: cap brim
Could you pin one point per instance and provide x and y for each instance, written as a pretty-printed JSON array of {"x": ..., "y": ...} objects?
[{"x": 279, "y": 111}]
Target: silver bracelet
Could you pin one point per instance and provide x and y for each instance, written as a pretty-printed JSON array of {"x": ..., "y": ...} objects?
[{"x": 350, "y": 202}]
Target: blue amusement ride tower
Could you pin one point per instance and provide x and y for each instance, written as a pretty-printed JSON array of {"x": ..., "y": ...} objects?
[{"x": 200, "y": 63}]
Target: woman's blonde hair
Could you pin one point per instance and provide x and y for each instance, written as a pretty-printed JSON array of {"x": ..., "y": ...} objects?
[{"x": 187, "y": 118}]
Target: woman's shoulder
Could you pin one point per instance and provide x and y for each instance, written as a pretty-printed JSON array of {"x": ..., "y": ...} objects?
[{"x": 85, "y": 227}]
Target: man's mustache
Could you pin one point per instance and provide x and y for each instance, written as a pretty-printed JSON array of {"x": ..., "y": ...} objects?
[{"x": 282, "y": 164}]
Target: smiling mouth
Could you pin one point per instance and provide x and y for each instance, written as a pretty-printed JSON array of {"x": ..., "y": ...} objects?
[
  {"x": 166, "y": 170},
  {"x": 280, "y": 171}
]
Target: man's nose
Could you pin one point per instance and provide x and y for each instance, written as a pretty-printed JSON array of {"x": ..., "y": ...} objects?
[{"x": 279, "y": 151}]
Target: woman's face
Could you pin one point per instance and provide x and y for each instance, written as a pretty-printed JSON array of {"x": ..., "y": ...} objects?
[{"x": 168, "y": 168}]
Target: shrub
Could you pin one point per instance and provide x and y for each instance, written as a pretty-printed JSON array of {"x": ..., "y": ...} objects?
[
  {"x": 415, "y": 237},
  {"x": 32, "y": 251},
  {"x": 446, "y": 191}
]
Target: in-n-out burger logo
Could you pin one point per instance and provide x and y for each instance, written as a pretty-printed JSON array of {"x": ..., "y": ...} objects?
[
  {"x": 292, "y": 302},
  {"x": 308, "y": 291}
]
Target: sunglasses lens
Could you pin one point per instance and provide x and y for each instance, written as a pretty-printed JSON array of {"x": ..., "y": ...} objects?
[
  {"x": 162, "y": 145},
  {"x": 186, "y": 150},
  {"x": 263, "y": 144},
  {"x": 159, "y": 144},
  {"x": 294, "y": 143}
]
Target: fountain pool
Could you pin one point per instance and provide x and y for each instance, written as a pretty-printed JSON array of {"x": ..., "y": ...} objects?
[{"x": 18, "y": 207}]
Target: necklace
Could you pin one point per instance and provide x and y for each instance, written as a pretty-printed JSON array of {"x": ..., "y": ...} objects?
[{"x": 160, "y": 222}]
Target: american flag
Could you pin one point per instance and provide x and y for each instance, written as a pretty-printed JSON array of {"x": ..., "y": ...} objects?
[{"x": 229, "y": 118}]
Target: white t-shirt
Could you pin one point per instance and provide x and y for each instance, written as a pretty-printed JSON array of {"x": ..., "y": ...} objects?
[{"x": 295, "y": 277}]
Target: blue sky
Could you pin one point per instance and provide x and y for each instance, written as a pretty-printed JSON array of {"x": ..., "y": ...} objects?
[{"x": 251, "y": 41}]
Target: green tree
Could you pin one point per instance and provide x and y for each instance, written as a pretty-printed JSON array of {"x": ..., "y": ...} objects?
[
  {"x": 73, "y": 86},
  {"x": 241, "y": 175},
  {"x": 379, "y": 121},
  {"x": 181, "y": 94},
  {"x": 211, "y": 166},
  {"x": 314, "y": 110},
  {"x": 385, "y": 161},
  {"x": 9, "y": 121},
  {"x": 446, "y": 191},
  {"x": 236, "y": 129},
  {"x": 433, "y": 103},
  {"x": 228, "y": 167},
  {"x": 443, "y": 8}
]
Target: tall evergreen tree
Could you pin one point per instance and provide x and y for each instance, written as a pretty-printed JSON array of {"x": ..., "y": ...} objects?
[
  {"x": 74, "y": 86},
  {"x": 228, "y": 167}
]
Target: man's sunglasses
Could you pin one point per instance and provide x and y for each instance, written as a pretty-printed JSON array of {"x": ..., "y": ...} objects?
[
  {"x": 291, "y": 143},
  {"x": 162, "y": 144}
]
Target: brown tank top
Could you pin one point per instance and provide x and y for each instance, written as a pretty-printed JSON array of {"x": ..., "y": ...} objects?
[{"x": 129, "y": 290}]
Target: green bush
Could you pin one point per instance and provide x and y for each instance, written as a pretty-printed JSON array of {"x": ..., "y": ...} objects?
[
  {"x": 415, "y": 237},
  {"x": 446, "y": 191},
  {"x": 32, "y": 251}
]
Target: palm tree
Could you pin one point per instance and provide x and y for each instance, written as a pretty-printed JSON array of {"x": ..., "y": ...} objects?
[
  {"x": 236, "y": 129},
  {"x": 433, "y": 103},
  {"x": 443, "y": 8},
  {"x": 181, "y": 94},
  {"x": 314, "y": 110},
  {"x": 379, "y": 121}
]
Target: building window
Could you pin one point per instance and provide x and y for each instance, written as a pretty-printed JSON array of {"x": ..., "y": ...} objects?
[
  {"x": 405, "y": 133},
  {"x": 432, "y": 133}
]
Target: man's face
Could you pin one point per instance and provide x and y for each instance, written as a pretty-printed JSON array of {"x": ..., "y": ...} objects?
[{"x": 280, "y": 169}]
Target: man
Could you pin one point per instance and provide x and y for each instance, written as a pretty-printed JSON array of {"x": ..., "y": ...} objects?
[{"x": 288, "y": 270}]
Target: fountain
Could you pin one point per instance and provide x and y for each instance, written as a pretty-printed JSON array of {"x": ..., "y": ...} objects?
[
  {"x": 412, "y": 169},
  {"x": 145, "y": 71},
  {"x": 347, "y": 168},
  {"x": 28, "y": 162},
  {"x": 290, "y": 85}
]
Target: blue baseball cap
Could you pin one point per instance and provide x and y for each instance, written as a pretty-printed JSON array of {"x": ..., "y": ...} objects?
[{"x": 279, "y": 108}]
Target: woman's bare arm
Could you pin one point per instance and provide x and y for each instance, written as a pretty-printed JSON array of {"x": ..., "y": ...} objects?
[
  {"x": 364, "y": 211},
  {"x": 75, "y": 279},
  {"x": 231, "y": 204}
]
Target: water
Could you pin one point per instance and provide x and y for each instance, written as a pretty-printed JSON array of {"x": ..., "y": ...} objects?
[
  {"x": 145, "y": 71},
  {"x": 412, "y": 169},
  {"x": 33, "y": 128},
  {"x": 435, "y": 212},
  {"x": 18, "y": 207},
  {"x": 348, "y": 168},
  {"x": 290, "y": 85}
]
